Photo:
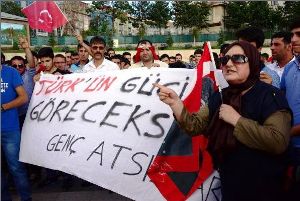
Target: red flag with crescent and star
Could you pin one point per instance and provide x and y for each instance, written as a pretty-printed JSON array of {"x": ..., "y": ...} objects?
[
  {"x": 44, "y": 15},
  {"x": 183, "y": 163}
]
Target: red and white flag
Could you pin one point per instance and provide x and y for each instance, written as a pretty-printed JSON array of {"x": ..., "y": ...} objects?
[
  {"x": 183, "y": 162},
  {"x": 44, "y": 15}
]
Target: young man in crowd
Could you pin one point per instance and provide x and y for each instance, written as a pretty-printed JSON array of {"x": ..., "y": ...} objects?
[
  {"x": 74, "y": 58},
  {"x": 290, "y": 83},
  {"x": 127, "y": 55},
  {"x": 282, "y": 54},
  {"x": 256, "y": 37},
  {"x": 60, "y": 64},
  {"x": 197, "y": 54},
  {"x": 45, "y": 56},
  {"x": 83, "y": 56},
  {"x": 165, "y": 58}
]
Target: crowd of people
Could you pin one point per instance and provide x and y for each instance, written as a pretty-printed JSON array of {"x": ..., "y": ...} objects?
[{"x": 253, "y": 126}]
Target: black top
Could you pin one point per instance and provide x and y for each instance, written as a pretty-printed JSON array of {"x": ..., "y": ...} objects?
[{"x": 249, "y": 174}]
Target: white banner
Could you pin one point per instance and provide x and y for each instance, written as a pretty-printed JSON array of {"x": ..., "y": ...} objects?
[{"x": 105, "y": 127}]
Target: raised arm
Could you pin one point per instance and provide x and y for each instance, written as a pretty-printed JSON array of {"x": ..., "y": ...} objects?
[
  {"x": 80, "y": 41},
  {"x": 23, "y": 43},
  {"x": 193, "y": 124}
]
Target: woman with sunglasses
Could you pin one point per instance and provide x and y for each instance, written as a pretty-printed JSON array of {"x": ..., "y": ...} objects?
[{"x": 247, "y": 126}]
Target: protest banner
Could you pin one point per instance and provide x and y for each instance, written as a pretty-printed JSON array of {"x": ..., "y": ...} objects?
[{"x": 106, "y": 128}]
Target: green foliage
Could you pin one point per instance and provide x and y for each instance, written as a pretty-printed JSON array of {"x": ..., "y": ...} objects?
[
  {"x": 142, "y": 31},
  {"x": 260, "y": 14},
  {"x": 140, "y": 13},
  {"x": 191, "y": 14},
  {"x": 65, "y": 48},
  {"x": 11, "y": 7},
  {"x": 159, "y": 14},
  {"x": 221, "y": 38},
  {"x": 169, "y": 40},
  {"x": 52, "y": 41},
  {"x": 291, "y": 12},
  {"x": 15, "y": 44}
]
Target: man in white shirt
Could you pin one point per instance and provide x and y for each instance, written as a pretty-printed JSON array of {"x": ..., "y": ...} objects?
[
  {"x": 282, "y": 54},
  {"x": 99, "y": 63}
]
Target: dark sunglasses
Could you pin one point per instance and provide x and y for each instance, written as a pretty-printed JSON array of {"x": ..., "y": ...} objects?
[
  {"x": 18, "y": 66},
  {"x": 236, "y": 58},
  {"x": 98, "y": 47}
]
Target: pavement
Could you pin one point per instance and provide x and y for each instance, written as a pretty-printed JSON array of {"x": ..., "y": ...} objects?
[{"x": 79, "y": 191}]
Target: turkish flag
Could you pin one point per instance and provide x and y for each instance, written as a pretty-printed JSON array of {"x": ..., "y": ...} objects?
[
  {"x": 44, "y": 15},
  {"x": 183, "y": 163}
]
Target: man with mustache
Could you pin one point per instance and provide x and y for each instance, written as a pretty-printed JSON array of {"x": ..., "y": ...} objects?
[{"x": 99, "y": 63}]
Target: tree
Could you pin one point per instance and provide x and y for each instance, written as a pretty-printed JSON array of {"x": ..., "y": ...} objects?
[
  {"x": 142, "y": 31},
  {"x": 159, "y": 14},
  {"x": 169, "y": 40},
  {"x": 192, "y": 15},
  {"x": 260, "y": 14},
  {"x": 235, "y": 15},
  {"x": 11, "y": 7},
  {"x": 140, "y": 13},
  {"x": 120, "y": 10},
  {"x": 291, "y": 12},
  {"x": 51, "y": 40}
]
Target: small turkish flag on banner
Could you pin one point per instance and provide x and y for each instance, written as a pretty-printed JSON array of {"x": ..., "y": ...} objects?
[{"x": 44, "y": 15}]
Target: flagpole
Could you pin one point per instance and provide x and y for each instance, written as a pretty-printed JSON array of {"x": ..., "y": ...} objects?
[{"x": 215, "y": 68}]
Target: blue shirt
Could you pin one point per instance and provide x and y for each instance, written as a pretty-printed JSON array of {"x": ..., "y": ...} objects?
[
  {"x": 274, "y": 75},
  {"x": 10, "y": 80},
  {"x": 290, "y": 83},
  {"x": 29, "y": 86}
]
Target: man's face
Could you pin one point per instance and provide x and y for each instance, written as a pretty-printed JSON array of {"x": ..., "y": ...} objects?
[
  {"x": 166, "y": 60},
  {"x": 75, "y": 59},
  {"x": 146, "y": 54},
  {"x": 47, "y": 62},
  {"x": 60, "y": 63},
  {"x": 172, "y": 60},
  {"x": 117, "y": 61},
  {"x": 83, "y": 54},
  {"x": 68, "y": 58},
  {"x": 98, "y": 50},
  {"x": 296, "y": 40},
  {"x": 111, "y": 53},
  {"x": 279, "y": 49},
  {"x": 19, "y": 65},
  {"x": 127, "y": 56},
  {"x": 178, "y": 58},
  {"x": 197, "y": 58}
]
